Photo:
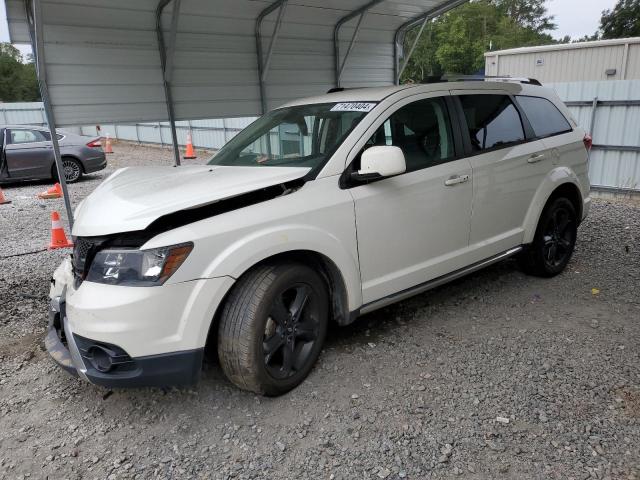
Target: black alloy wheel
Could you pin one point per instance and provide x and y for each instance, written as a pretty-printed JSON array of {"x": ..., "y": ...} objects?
[
  {"x": 558, "y": 237},
  {"x": 291, "y": 330},
  {"x": 554, "y": 241},
  {"x": 272, "y": 327}
]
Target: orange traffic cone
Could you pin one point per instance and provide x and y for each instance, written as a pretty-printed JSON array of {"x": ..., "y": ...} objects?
[
  {"x": 58, "y": 237},
  {"x": 107, "y": 145},
  {"x": 189, "y": 154},
  {"x": 3, "y": 199},
  {"x": 53, "y": 192}
]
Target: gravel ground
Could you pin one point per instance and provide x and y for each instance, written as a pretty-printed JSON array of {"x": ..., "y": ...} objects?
[{"x": 497, "y": 375}]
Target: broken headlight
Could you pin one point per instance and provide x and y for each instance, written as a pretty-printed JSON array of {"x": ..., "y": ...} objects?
[{"x": 137, "y": 268}]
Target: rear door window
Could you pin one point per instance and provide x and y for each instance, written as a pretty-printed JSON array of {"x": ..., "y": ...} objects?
[
  {"x": 492, "y": 121},
  {"x": 545, "y": 118},
  {"x": 26, "y": 136}
]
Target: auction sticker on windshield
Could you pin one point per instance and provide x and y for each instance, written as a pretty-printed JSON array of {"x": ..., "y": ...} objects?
[{"x": 353, "y": 107}]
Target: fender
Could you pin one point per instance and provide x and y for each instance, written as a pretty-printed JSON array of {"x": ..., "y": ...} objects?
[
  {"x": 555, "y": 178},
  {"x": 246, "y": 252},
  {"x": 234, "y": 255}
]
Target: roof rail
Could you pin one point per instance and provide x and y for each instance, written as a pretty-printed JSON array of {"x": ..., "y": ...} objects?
[{"x": 482, "y": 78}]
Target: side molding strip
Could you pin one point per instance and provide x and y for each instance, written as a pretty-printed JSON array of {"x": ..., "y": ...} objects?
[{"x": 436, "y": 282}]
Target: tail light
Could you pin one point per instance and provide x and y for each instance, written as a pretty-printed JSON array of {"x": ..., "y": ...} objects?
[
  {"x": 588, "y": 142},
  {"x": 97, "y": 143}
]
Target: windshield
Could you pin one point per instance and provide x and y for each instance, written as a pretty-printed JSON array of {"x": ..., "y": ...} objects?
[{"x": 301, "y": 136}]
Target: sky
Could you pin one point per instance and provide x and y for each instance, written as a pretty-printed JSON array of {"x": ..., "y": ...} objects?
[{"x": 575, "y": 18}]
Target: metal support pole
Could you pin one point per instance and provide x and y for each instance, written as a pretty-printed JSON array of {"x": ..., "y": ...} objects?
[
  {"x": 272, "y": 43},
  {"x": 354, "y": 37},
  {"x": 398, "y": 40},
  {"x": 592, "y": 126},
  {"x": 592, "y": 122},
  {"x": 34, "y": 19},
  {"x": 405, "y": 61},
  {"x": 263, "y": 66},
  {"x": 166, "y": 69},
  {"x": 160, "y": 133},
  {"x": 339, "y": 66}
]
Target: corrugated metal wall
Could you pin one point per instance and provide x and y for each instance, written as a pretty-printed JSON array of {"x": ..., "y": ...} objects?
[
  {"x": 23, "y": 113},
  {"x": 212, "y": 134},
  {"x": 569, "y": 63},
  {"x": 102, "y": 61},
  {"x": 615, "y": 126}
]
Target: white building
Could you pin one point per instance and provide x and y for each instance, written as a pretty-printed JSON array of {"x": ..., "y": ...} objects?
[{"x": 571, "y": 62}]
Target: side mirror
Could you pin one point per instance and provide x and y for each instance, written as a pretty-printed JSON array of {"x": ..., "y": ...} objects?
[{"x": 380, "y": 162}]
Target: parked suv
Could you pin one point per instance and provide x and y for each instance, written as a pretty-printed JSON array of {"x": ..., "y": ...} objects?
[{"x": 321, "y": 210}]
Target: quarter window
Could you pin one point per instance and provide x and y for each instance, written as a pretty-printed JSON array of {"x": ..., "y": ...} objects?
[
  {"x": 544, "y": 116},
  {"x": 422, "y": 130},
  {"x": 492, "y": 121}
]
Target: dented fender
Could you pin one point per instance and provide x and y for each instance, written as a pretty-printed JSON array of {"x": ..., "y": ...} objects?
[{"x": 232, "y": 243}]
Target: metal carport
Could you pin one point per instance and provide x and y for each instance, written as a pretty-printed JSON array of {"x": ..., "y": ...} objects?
[{"x": 150, "y": 60}]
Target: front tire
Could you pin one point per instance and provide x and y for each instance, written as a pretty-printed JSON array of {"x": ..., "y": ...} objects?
[
  {"x": 554, "y": 240},
  {"x": 272, "y": 327}
]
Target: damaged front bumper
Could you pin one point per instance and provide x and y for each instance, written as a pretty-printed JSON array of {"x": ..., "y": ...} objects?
[
  {"x": 107, "y": 364},
  {"x": 56, "y": 341}
]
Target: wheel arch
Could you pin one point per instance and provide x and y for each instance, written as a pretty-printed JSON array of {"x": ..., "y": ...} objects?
[
  {"x": 560, "y": 182},
  {"x": 328, "y": 270},
  {"x": 76, "y": 158},
  {"x": 54, "y": 171}
]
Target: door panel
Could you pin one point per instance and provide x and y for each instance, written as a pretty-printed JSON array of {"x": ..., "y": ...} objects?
[
  {"x": 507, "y": 170},
  {"x": 29, "y": 155},
  {"x": 412, "y": 228},
  {"x": 504, "y": 184}
]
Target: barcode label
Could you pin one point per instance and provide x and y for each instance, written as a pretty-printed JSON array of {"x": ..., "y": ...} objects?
[{"x": 353, "y": 107}]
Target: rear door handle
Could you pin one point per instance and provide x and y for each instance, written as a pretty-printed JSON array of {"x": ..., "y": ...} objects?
[
  {"x": 456, "y": 179},
  {"x": 535, "y": 158}
]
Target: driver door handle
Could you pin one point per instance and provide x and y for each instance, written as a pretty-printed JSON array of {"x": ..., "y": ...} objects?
[{"x": 456, "y": 179}]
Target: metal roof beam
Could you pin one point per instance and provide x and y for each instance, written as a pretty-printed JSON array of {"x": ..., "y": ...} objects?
[
  {"x": 33, "y": 11},
  {"x": 360, "y": 12},
  {"x": 405, "y": 61},
  {"x": 414, "y": 22},
  {"x": 263, "y": 65},
  {"x": 167, "y": 67}
]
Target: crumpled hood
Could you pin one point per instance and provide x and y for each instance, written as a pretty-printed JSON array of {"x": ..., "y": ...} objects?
[{"x": 131, "y": 198}]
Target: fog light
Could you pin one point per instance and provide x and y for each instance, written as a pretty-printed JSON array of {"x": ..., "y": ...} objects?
[{"x": 100, "y": 358}]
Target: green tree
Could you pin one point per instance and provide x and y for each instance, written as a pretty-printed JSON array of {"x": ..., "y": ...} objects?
[
  {"x": 623, "y": 21},
  {"x": 455, "y": 42},
  {"x": 531, "y": 14},
  {"x": 18, "y": 82}
]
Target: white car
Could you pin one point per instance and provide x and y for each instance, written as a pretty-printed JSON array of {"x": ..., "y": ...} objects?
[{"x": 321, "y": 210}]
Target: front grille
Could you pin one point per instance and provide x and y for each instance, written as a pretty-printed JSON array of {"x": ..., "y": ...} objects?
[
  {"x": 81, "y": 249},
  {"x": 84, "y": 249}
]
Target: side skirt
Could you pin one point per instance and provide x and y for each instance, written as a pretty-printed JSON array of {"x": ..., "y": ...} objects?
[{"x": 436, "y": 282}]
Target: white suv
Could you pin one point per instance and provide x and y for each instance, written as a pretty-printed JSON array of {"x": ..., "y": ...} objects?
[{"x": 323, "y": 209}]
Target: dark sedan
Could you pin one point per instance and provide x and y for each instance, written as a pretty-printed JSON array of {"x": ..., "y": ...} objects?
[{"x": 27, "y": 154}]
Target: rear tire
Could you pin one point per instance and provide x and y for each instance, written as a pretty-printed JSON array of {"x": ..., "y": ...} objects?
[
  {"x": 272, "y": 327},
  {"x": 72, "y": 170},
  {"x": 554, "y": 240}
]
